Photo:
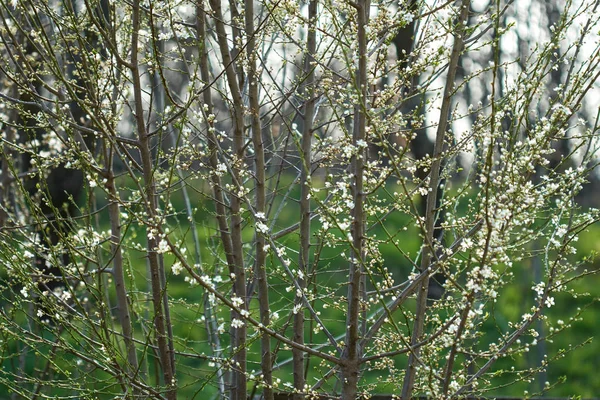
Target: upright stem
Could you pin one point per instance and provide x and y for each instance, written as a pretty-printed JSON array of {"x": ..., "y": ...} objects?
[
  {"x": 238, "y": 384},
  {"x": 221, "y": 212},
  {"x": 119, "y": 277},
  {"x": 260, "y": 204},
  {"x": 166, "y": 356},
  {"x": 350, "y": 367},
  {"x": 213, "y": 144},
  {"x": 306, "y": 141},
  {"x": 434, "y": 181}
]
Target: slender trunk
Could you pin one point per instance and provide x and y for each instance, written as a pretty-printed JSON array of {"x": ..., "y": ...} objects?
[
  {"x": 351, "y": 366},
  {"x": 213, "y": 145},
  {"x": 119, "y": 277},
  {"x": 156, "y": 274},
  {"x": 260, "y": 205},
  {"x": 434, "y": 181},
  {"x": 304, "y": 256},
  {"x": 159, "y": 96},
  {"x": 238, "y": 384}
]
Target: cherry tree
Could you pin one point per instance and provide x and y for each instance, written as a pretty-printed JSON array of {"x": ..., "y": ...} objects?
[{"x": 225, "y": 198}]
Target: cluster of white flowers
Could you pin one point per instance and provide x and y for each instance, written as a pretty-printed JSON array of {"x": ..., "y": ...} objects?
[
  {"x": 163, "y": 247},
  {"x": 262, "y": 227},
  {"x": 237, "y": 323},
  {"x": 176, "y": 268}
]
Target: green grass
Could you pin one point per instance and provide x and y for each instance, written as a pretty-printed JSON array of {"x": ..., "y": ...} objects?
[{"x": 186, "y": 305}]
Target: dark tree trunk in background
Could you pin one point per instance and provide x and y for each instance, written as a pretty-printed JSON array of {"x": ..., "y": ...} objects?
[
  {"x": 404, "y": 39},
  {"x": 55, "y": 191},
  {"x": 52, "y": 191},
  {"x": 557, "y": 74},
  {"x": 420, "y": 146}
]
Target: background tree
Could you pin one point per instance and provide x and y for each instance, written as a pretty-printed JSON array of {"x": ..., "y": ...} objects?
[{"x": 260, "y": 210}]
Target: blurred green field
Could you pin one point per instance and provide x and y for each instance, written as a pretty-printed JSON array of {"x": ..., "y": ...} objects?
[{"x": 576, "y": 371}]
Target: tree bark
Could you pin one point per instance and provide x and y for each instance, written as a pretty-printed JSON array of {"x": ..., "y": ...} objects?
[
  {"x": 434, "y": 181},
  {"x": 350, "y": 367},
  {"x": 156, "y": 271}
]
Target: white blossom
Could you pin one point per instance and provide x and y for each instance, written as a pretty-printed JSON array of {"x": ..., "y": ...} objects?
[{"x": 236, "y": 323}]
